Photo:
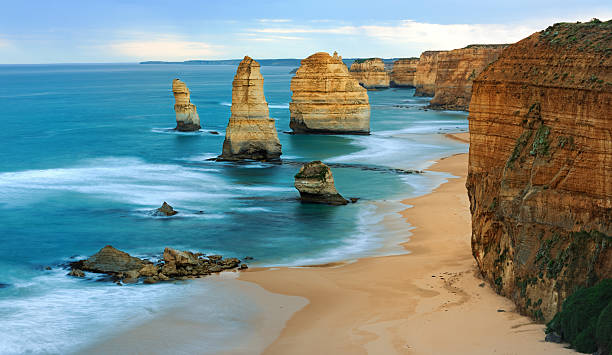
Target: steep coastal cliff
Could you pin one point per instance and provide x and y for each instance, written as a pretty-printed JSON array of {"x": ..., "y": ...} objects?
[
  {"x": 250, "y": 133},
  {"x": 327, "y": 99},
  {"x": 370, "y": 73},
  {"x": 425, "y": 76},
  {"x": 539, "y": 178},
  {"x": 456, "y": 71},
  {"x": 186, "y": 114},
  {"x": 403, "y": 72}
]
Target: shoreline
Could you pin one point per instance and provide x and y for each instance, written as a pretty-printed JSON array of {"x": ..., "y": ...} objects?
[{"x": 428, "y": 300}]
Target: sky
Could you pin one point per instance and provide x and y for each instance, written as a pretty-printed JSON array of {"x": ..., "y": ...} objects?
[{"x": 101, "y": 31}]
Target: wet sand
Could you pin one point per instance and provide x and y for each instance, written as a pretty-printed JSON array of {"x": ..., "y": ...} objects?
[{"x": 430, "y": 301}]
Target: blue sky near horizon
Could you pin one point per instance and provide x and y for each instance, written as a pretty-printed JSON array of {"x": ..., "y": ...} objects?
[{"x": 68, "y": 31}]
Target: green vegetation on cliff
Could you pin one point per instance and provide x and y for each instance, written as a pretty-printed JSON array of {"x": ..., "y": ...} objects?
[
  {"x": 585, "y": 320},
  {"x": 589, "y": 36}
]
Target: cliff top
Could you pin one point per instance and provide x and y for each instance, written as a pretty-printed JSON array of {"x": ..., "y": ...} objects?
[
  {"x": 483, "y": 46},
  {"x": 592, "y": 36},
  {"x": 363, "y": 60}
]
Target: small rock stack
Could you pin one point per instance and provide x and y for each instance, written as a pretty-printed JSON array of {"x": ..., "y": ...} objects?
[
  {"x": 315, "y": 183},
  {"x": 187, "y": 119}
]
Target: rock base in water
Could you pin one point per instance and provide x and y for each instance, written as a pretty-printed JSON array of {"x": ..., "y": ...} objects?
[
  {"x": 165, "y": 210},
  {"x": 315, "y": 183},
  {"x": 174, "y": 265}
]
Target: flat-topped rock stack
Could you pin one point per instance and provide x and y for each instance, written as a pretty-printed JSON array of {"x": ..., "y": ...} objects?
[
  {"x": 403, "y": 72},
  {"x": 456, "y": 71},
  {"x": 327, "y": 99},
  {"x": 251, "y": 133},
  {"x": 315, "y": 183},
  {"x": 425, "y": 76},
  {"x": 370, "y": 73},
  {"x": 187, "y": 119}
]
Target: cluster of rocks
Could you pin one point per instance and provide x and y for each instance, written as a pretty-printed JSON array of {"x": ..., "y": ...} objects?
[{"x": 175, "y": 265}]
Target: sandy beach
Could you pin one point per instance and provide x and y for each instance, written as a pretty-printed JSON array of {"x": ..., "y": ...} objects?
[{"x": 430, "y": 301}]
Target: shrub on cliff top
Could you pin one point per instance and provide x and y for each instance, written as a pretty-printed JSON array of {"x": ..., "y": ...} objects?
[{"x": 585, "y": 319}]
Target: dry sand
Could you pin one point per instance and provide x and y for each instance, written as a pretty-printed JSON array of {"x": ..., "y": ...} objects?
[{"x": 427, "y": 302}]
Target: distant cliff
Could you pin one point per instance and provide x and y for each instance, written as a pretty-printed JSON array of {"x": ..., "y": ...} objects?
[
  {"x": 540, "y": 181},
  {"x": 370, "y": 73},
  {"x": 425, "y": 76},
  {"x": 456, "y": 71},
  {"x": 403, "y": 72}
]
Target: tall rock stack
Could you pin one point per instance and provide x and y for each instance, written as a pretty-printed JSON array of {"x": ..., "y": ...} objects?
[
  {"x": 251, "y": 133},
  {"x": 187, "y": 119},
  {"x": 327, "y": 99},
  {"x": 370, "y": 73},
  {"x": 539, "y": 178},
  {"x": 456, "y": 72},
  {"x": 425, "y": 76},
  {"x": 403, "y": 72}
]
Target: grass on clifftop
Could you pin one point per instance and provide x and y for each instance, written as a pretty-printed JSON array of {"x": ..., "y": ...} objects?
[
  {"x": 585, "y": 320},
  {"x": 594, "y": 35}
]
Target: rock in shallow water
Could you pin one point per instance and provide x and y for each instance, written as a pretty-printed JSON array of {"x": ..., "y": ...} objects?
[
  {"x": 315, "y": 183},
  {"x": 165, "y": 210}
]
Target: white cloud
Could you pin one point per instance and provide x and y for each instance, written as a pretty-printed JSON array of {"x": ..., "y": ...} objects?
[
  {"x": 164, "y": 48},
  {"x": 275, "y": 38},
  {"x": 346, "y": 30},
  {"x": 4, "y": 43}
]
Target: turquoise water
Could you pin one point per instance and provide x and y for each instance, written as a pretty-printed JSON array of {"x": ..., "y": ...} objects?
[{"x": 87, "y": 153}]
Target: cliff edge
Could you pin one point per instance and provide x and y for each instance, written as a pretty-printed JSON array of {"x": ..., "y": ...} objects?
[{"x": 370, "y": 73}]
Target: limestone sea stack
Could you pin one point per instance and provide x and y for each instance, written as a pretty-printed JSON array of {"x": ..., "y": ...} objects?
[
  {"x": 251, "y": 133},
  {"x": 187, "y": 119},
  {"x": 327, "y": 99},
  {"x": 403, "y": 72},
  {"x": 425, "y": 76},
  {"x": 370, "y": 73},
  {"x": 456, "y": 72},
  {"x": 540, "y": 164},
  {"x": 315, "y": 183}
]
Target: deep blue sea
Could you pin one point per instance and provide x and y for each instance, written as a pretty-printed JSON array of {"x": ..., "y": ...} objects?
[{"x": 87, "y": 152}]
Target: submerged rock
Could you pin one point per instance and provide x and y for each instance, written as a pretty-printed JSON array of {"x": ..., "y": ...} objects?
[
  {"x": 327, "y": 99},
  {"x": 165, "y": 210},
  {"x": 315, "y": 183},
  {"x": 187, "y": 119},
  {"x": 250, "y": 133},
  {"x": 76, "y": 273}
]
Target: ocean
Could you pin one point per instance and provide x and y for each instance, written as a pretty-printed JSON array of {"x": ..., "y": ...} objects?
[{"x": 88, "y": 151}]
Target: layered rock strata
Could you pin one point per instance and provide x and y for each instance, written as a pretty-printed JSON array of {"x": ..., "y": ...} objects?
[
  {"x": 539, "y": 177},
  {"x": 425, "y": 76},
  {"x": 315, "y": 183},
  {"x": 175, "y": 264},
  {"x": 251, "y": 133},
  {"x": 187, "y": 118},
  {"x": 327, "y": 99},
  {"x": 370, "y": 73},
  {"x": 456, "y": 72},
  {"x": 404, "y": 71}
]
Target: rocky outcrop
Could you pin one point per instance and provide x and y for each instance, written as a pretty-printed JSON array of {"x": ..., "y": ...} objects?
[
  {"x": 315, "y": 183},
  {"x": 425, "y": 76},
  {"x": 327, "y": 99},
  {"x": 404, "y": 71},
  {"x": 187, "y": 118},
  {"x": 175, "y": 264},
  {"x": 539, "y": 177},
  {"x": 456, "y": 72},
  {"x": 165, "y": 210},
  {"x": 251, "y": 133},
  {"x": 370, "y": 73}
]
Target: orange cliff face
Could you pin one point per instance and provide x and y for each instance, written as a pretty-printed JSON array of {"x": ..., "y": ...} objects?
[
  {"x": 403, "y": 72},
  {"x": 425, "y": 76},
  {"x": 540, "y": 181},
  {"x": 456, "y": 71},
  {"x": 370, "y": 73}
]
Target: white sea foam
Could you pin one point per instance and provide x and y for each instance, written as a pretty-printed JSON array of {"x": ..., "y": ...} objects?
[{"x": 286, "y": 106}]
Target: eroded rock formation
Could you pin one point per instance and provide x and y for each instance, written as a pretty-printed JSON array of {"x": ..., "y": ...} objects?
[
  {"x": 187, "y": 118},
  {"x": 165, "y": 210},
  {"x": 327, "y": 99},
  {"x": 370, "y": 73},
  {"x": 315, "y": 183},
  {"x": 456, "y": 71},
  {"x": 251, "y": 133},
  {"x": 539, "y": 177},
  {"x": 175, "y": 264},
  {"x": 425, "y": 76},
  {"x": 404, "y": 71}
]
